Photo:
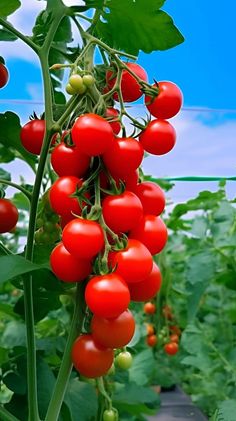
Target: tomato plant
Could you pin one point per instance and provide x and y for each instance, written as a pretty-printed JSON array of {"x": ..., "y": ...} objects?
[{"x": 70, "y": 266}]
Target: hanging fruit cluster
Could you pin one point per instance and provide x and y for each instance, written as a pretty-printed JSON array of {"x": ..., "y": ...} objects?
[{"x": 109, "y": 215}]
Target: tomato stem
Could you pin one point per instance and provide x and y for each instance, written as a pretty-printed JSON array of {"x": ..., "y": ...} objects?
[
  {"x": 66, "y": 364},
  {"x": 103, "y": 392},
  {"x": 19, "y": 35},
  {"x": 18, "y": 187},
  {"x": 7, "y": 416}
]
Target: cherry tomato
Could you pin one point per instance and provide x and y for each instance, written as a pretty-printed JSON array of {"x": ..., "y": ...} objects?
[
  {"x": 89, "y": 358},
  {"x": 151, "y": 340},
  {"x": 83, "y": 238},
  {"x": 88, "y": 80},
  {"x": 149, "y": 308},
  {"x": 124, "y": 360},
  {"x": 171, "y": 348},
  {"x": 175, "y": 329},
  {"x": 4, "y": 75},
  {"x": 109, "y": 415},
  {"x": 60, "y": 196},
  {"x": 150, "y": 330},
  {"x": 168, "y": 101},
  {"x": 130, "y": 88},
  {"x": 123, "y": 157},
  {"x": 167, "y": 312},
  {"x": 113, "y": 333},
  {"x": 67, "y": 267},
  {"x": 158, "y": 138},
  {"x": 92, "y": 134},
  {"x": 148, "y": 288},
  {"x": 32, "y": 134},
  {"x": 152, "y": 197},
  {"x": 112, "y": 113},
  {"x": 107, "y": 295},
  {"x": 122, "y": 212},
  {"x": 68, "y": 160},
  {"x": 174, "y": 338},
  {"x": 134, "y": 263},
  {"x": 152, "y": 232},
  {"x": 8, "y": 216}
]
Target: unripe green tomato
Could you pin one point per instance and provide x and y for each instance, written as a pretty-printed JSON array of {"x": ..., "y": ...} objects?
[
  {"x": 49, "y": 226},
  {"x": 54, "y": 218},
  {"x": 70, "y": 90},
  {"x": 88, "y": 80},
  {"x": 76, "y": 82},
  {"x": 124, "y": 360},
  {"x": 110, "y": 415},
  {"x": 38, "y": 236},
  {"x": 39, "y": 222}
]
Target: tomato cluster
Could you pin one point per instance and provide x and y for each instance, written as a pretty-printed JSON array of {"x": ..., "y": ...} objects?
[{"x": 109, "y": 216}]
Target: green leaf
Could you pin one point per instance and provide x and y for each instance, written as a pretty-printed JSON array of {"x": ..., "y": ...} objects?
[
  {"x": 200, "y": 270},
  {"x": 142, "y": 27},
  {"x": 20, "y": 201},
  {"x": 226, "y": 411},
  {"x": 10, "y": 144},
  {"x": 13, "y": 335},
  {"x": 77, "y": 396},
  {"x": 6, "y": 35},
  {"x": 7, "y": 7},
  {"x": 142, "y": 367},
  {"x": 14, "y": 265},
  {"x": 136, "y": 399},
  {"x": 16, "y": 383},
  {"x": 45, "y": 381}
]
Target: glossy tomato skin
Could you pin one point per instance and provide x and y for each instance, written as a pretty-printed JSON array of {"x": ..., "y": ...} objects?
[
  {"x": 124, "y": 360},
  {"x": 122, "y": 212},
  {"x": 149, "y": 308},
  {"x": 60, "y": 196},
  {"x": 171, "y": 348},
  {"x": 107, "y": 295},
  {"x": 151, "y": 340},
  {"x": 67, "y": 160},
  {"x": 152, "y": 232},
  {"x": 113, "y": 333},
  {"x": 158, "y": 138},
  {"x": 4, "y": 75},
  {"x": 152, "y": 197},
  {"x": 148, "y": 288},
  {"x": 67, "y": 267},
  {"x": 167, "y": 103},
  {"x": 83, "y": 238},
  {"x": 112, "y": 113},
  {"x": 123, "y": 157},
  {"x": 89, "y": 358},
  {"x": 8, "y": 216},
  {"x": 32, "y": 134},
  {"x": 134, "y": 263},
  {"x": 92, "y": 134},
  {"x": 130, "y": 87}
]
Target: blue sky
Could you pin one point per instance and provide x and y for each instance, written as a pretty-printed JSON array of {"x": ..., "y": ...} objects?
[{"x": 204, "y": 66}]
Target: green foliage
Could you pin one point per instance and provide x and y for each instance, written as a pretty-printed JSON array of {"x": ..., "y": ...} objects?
[
  {"x": 226, "y": 411},
  {"x": 7, "y": 7},
  {"x": 142, "y": 27}
]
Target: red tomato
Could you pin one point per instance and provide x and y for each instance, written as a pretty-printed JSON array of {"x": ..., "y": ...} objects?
[
  {"x": 152, "y": 232},
  {"x": 167, "y": 103},
  {"x": 113, "y": 333},
  {"x": 83, "y": 238},
  {"x": 130, "y": 181},
  {"x": 152, "y": 197},
  {"x": 89, "y": 358},
  {"x": 92, "y": 134},
  {"x": 149, "y": 308},
  {"x": 67, "y": 160},
  {"x": 32, "y": 134},
  {"x": 171, "y": 348},
  {"x": 60, "y": 196},
  {"x": 8, "y": 215},
  {"x": 174, "y": 338},
  {"x": 107, "y": 295},
  {"x": 123, "y": 157},
  {"x": 67, "y": 267},
  {"x": 148, "y": 288},
  {"x": 158, "y": 138},
  {"x": 130, "y": 88},
  {"x": 134, "y": 262},
  {"x": 176, "y": 330},
  {"x": 122, "y": 212},
  {"x": 112, "y": 113},
  {"x": 4, "y": 75},
  {"x": 150, "y": 329},
  {"x": 151, "y": 340}
]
